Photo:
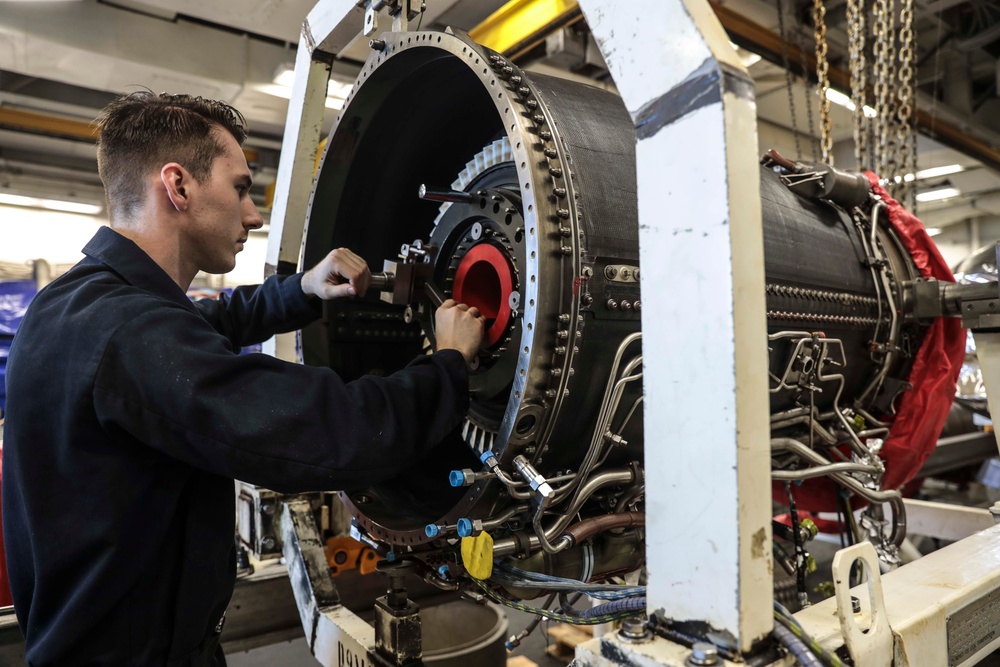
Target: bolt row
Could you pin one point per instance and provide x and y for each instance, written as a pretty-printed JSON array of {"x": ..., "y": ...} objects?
[
  {"x": 845, "y": 298},
  {"x": 825, "y": 319}
]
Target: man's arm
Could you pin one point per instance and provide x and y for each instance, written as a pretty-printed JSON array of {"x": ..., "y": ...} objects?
[
  {"x": 285, "y": 303},
  {"x": 170, "y": 381}
]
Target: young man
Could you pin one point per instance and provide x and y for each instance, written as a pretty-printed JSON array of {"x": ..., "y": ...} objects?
[{"x": 130, "y": 412}]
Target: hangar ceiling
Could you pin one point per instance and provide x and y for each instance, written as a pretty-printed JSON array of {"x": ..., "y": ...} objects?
[{"x": 62, "y": 60}]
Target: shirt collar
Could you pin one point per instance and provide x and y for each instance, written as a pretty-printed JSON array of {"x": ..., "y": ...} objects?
[{"x": 131, "y": 262}]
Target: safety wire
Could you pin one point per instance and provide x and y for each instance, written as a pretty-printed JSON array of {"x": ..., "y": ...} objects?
[
  {"x": 619, "y": 612},
  {"x": 785, "y": 617}
]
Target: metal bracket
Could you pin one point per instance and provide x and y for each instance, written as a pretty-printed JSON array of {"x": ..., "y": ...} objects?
[{"x": 871, "y": 647}]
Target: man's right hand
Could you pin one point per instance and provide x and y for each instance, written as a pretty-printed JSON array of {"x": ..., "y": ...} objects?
[{"x": 459, "y": 327}]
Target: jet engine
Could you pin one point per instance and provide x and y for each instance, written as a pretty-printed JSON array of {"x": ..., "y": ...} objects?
[{"x": 516, "y": 192}]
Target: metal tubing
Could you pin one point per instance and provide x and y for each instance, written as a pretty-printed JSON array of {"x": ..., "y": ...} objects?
[
  {"x": 894, "y": 498},
  {"x": 820, "y": 471},
  {"x": 508, "y": 546}
]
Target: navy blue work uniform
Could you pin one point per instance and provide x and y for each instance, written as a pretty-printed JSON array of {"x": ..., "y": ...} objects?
[{"x": 130, "y": 413}]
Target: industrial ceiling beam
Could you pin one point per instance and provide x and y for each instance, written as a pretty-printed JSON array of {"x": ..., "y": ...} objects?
[
  {"x": 62, "y": 127},
  {"x": 520, "y": 25}
]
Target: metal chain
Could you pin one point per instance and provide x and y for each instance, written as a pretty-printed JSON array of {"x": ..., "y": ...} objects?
[
  {"x": 789, "y": 79},
  {"x": 881, "y": 46},
  {"x": 823, "y": 77},
  {"x": 810, "y": 123},
  {"x": 859, "y": 81},
  {"x": 905, "y": 137},
  {"x": 892, "y": 101}
]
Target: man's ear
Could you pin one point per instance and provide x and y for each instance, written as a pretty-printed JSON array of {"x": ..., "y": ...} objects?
[{"x": 175, "y": 180}]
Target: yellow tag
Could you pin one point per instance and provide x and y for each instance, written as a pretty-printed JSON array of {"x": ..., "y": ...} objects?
[{"x": 477, "y": 555}]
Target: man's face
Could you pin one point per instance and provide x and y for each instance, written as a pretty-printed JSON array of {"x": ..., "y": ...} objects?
[{"x": 222, "y": 212}]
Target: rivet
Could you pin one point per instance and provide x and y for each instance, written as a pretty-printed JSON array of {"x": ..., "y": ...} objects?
[
  {"x": 637, "y": 306},
  {"x": 566, "y": 231},
  {"x": 531, "y": 104},
  {"x": 560, "y": 349},
  {"x": 556, "y": 372},
  {"x": 626, "y": 305},
  {"x": 538, "y": 118},
  {"x": 550, "y": 393},
  {"x": 611, "y": 304},
  {"x": 545, "y": 135},
  {"x": 377, "y": 44},
  {"x": 507, "y": 71},
  {"x": 562, "y": 334},
  {"x": 523, "y": 90},
  {"x": 515, "y": 80},
  {"x": 550, "y": 153},
  {"x": 564, "y": 318},
  {"x": 555, "y": 171},
  {"x": 566, "y": 250},
  {"x": 562, "y": 213}
]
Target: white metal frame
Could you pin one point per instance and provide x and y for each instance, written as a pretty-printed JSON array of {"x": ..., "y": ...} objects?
[{"x": 701, "y": 250}]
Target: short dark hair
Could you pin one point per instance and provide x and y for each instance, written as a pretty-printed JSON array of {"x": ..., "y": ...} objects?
[{"x": 142, "y": 131}]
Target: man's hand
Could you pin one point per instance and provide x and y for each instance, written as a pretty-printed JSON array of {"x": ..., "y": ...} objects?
[
  {"x": 459, "y": 327},
  {"x": 339, "y": 274}
]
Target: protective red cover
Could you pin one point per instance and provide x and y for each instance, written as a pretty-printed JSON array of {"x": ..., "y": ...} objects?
[{"x": 922, "y": 411}]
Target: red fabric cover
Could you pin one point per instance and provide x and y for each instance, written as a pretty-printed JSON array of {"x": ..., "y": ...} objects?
[
  {"x": 5, "y": 598},
  {"x": 922, "y": 411}
]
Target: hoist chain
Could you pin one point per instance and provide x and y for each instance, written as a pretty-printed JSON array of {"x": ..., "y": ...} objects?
[
  {"x": 810, "y": 123},
  {"x": 905, "y": 137},
  {"x": 789, "y": 79},
  {"x": 823, "y": 77},
  {"x": 883, "y": 37},
  {"x": 859, "y": 81}
]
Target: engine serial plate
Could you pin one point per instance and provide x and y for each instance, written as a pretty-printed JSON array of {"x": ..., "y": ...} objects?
[{"x": 973, "y": 627}]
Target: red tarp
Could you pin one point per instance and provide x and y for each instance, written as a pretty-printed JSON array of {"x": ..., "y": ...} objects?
[{"x": 922, "y": 411}]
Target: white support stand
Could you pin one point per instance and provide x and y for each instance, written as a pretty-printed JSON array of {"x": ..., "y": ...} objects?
[
  {"x": 294, "y": 184},
  {"x": 707, "y": 452}
]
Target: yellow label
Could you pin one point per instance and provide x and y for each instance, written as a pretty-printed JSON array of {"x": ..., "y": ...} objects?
[{"x": 477, "y": 555}]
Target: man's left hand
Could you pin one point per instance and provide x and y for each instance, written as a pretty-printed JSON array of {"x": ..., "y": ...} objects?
[{"x": 339, "y": 274}]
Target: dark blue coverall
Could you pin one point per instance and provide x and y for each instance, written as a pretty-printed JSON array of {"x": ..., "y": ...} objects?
[{"x": 129, "y": 415}]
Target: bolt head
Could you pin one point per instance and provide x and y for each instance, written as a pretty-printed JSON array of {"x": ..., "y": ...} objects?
[
  {"x": 634, "y": 630},
  {"x": 703, "y": 653}
]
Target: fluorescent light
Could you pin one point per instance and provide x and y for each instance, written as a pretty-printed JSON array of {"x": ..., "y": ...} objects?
[
  {"x": 934, "y": 172},
  {"x": 843, "y": 100},
  {"x": 935, "y": 195},
  {"x": 933, "y": 231},
  {"x": 51, "y": 204},
  {"x": 286, "y": 93},
  {"x": 284, "y": 77}
]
